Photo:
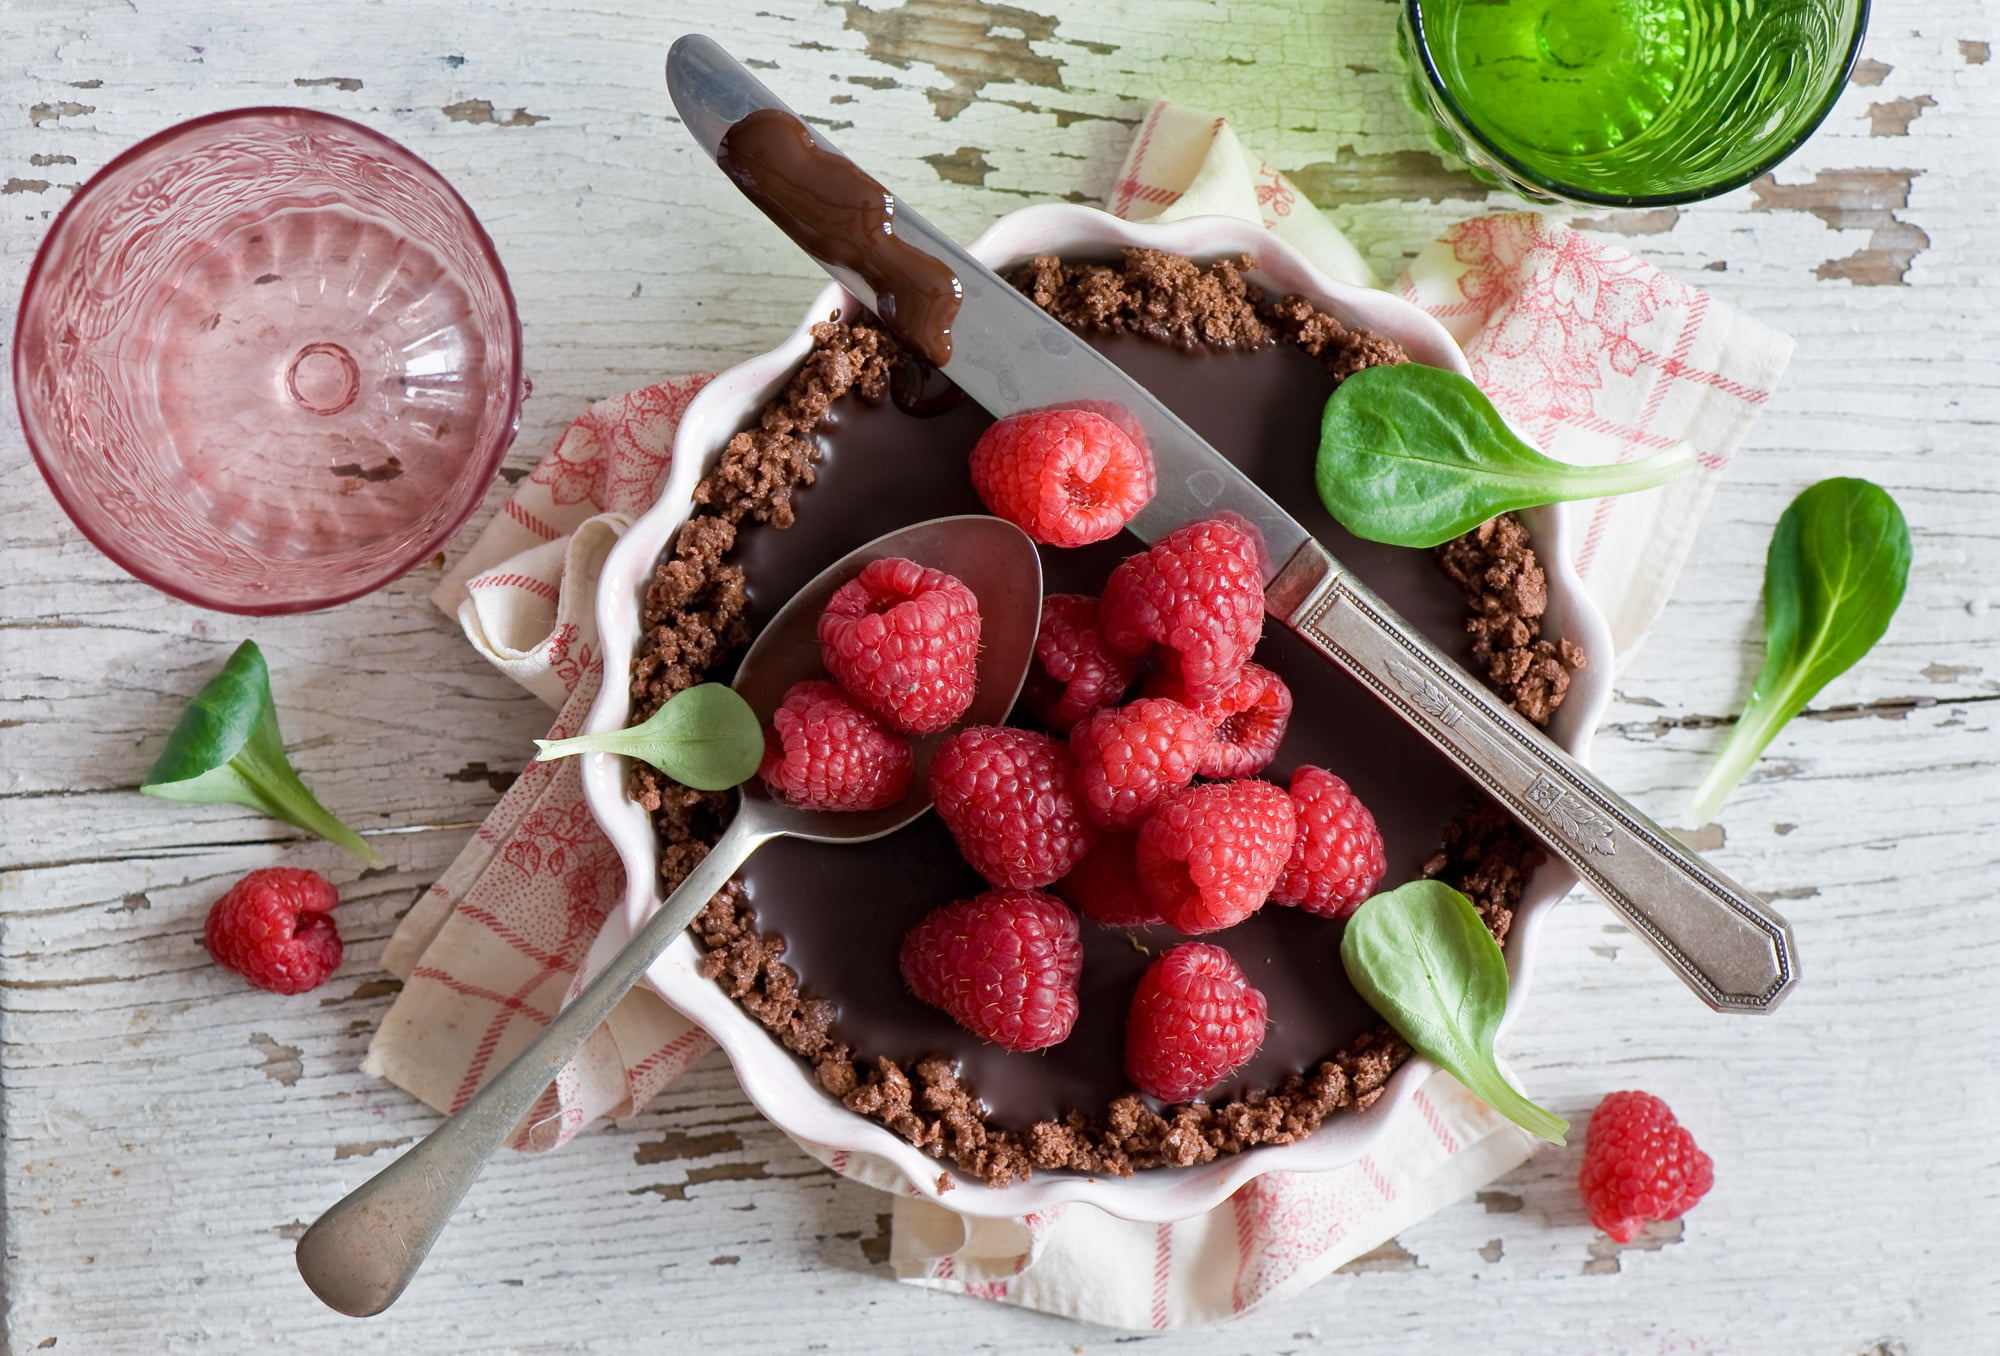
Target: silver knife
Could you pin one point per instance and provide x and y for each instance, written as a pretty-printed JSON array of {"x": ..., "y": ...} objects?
[{"x": 1005, "y": 352}]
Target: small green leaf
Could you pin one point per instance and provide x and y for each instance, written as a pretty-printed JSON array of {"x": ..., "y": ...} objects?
[
  {"x": 227, "y": 749},
  {"x": 1834, "y": 576},
  {"x": 1414, "y": 455},
  {"x": 705, "y": 737},
  {"x": 219, "y": 721},
  {"x": 1423, "y": 959}
]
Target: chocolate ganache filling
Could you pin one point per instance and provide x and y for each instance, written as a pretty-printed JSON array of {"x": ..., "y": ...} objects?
[{"x": 809, "y": 938}]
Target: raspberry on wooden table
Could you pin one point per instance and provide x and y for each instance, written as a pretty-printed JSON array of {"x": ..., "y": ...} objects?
[
  {"x": 1194, "y": 1018},
  {"x": 1640, "y": 1165},
  {"x": 1010, "y": 799},
  {"x": 1208, "y": 856},
  {"x": 1065, "y": 476},
  {"x": 1105, "y": 884},
  {"x": 904, "y": 640},
  {"x": 1198, "y": 593},
  {"x": 1075, "y": 672},
  {"x": 1003, "y": 965},
  {"x": 1337, "y": 859},
  {"x": 275, "y": 928},
  {"x": 1248, "y": 719},
  {"x": 824, "y": 752},
  {"x": 1129, "y": 756}
]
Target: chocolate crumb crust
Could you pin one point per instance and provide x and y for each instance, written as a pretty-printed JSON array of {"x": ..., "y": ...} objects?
[
  {"x": 1171, "y": 299},
  {"x": 694, "y": 626},
  {"x": 693, "y": 617},
  {"x": 1496, "y": 569}
]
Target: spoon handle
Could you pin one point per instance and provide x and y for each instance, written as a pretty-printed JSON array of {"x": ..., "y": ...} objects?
[{"x": 362, "y": 1252}]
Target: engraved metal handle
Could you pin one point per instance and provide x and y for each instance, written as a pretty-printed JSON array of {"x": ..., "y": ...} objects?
[
  {"x": 367, "y": 1247},
  {"x": 1726, "y": 943}
]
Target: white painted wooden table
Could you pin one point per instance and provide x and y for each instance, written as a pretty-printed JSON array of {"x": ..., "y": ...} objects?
[{"x": 168, "y": 1132}]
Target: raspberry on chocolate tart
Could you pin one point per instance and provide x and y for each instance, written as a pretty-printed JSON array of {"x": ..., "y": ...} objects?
[
  {"x": 1129, "y": 758},
  {"x": 904, "y": 641},
  {"x": 1075, "y": 672},
  {"x": 1337, "y": 859},
  {"x": 1010, "y": 799},
  {"x": 1065, "y": 476},
  {"x": 825, "y": 752},
  {"x": 1198, "y": 594},
  {"x": 1104, "y": 886},
  {"x": 1003, "y": 964},
  {"x": 1149, "y": 682},
  {"x": 1247, "y": 720},
  {"x": 1208, "y": 857},
  {"x": 1194, "y": 1018}
]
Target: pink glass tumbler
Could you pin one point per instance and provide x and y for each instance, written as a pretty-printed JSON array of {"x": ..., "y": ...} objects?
[{"x": 268, "y": 360}]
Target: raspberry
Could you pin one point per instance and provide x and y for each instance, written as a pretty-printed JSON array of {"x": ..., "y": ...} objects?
[
  {"x": 1337, "y": 859},
  {"x": 1117, "y": 414},
  {"x": 1199, "y": 593},
  {"x": 1194, "y": 1018},
  {"x": 904, "y": 640},
  {"x": 1105, "y": 884},
  {"x": 1065, "y": 476},
  {"x": 1640, "y": 1165},
  {"x": 1130, "y": 756},
  {"x": 1248, "y": 720},
  {"x": 1003, "y": 965},
  {"x": 824, "y": 752},
  {"x": 1076, "y": 672},
  {"x": 1009, "y": 798},
  {"x": 1209, "y": 855},
  {"x": 274, "y": 927}
]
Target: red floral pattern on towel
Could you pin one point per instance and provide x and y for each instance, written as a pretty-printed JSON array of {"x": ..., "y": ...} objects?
[
  {"x": 1559, "y": 308},
  {"x": 616, "y": 454}
]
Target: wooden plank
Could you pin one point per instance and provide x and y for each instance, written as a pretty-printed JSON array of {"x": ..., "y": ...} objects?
[{"x": 168, "y": 1132}]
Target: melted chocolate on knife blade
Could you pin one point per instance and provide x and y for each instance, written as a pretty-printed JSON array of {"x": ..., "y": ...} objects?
[{"x": 834, "y": 211}]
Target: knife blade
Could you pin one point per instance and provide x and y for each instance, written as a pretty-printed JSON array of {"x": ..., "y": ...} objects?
[{"x": 1730, "y": 947}]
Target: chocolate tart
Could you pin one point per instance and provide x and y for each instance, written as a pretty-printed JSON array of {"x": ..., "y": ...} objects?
[{"x": 846, "y": 445}]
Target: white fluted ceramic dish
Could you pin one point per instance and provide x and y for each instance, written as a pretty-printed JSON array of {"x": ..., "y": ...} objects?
[{"x": 782, "y": 1085}]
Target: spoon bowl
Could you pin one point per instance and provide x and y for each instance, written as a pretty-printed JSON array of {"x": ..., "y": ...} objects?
[
  {"x": 990, "y": 556},
  {"x": 361, "y": 1254}
]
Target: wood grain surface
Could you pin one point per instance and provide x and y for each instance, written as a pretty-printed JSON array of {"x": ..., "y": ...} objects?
[{"x": 168, "y": 1132}]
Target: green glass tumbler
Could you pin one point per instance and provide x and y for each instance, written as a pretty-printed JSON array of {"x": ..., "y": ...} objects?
[{"x": 1627, "y": 103}]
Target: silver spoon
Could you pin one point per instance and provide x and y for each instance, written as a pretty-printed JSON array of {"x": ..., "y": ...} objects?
[{"x": 359, "y": 1255}]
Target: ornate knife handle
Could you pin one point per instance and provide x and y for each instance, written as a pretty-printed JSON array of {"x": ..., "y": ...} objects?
[{"x": 1724, "y": 942}]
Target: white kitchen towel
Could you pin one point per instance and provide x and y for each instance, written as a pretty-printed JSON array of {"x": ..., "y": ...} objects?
[
  {"x": 1274, "y": 1237},
  {"x": 1597, "y": 354}
]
